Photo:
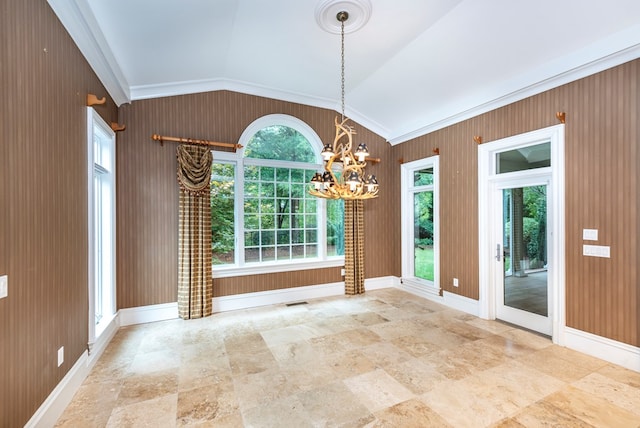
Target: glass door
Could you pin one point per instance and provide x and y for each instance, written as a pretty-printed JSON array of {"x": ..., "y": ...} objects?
[{"x": 524, "y": 288}]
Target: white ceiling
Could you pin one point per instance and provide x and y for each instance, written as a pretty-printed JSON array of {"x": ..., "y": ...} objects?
[{"x": 416, "y": 66}]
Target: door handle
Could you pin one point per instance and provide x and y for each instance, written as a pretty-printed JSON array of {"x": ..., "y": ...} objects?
[{"x": 498, "y": 254}]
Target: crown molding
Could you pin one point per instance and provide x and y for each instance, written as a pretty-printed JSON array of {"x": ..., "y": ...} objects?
[
  {"x": 78, "y": 19},
  {"x": 611, "y": 52},
  {"x": 209, "y": 85}
]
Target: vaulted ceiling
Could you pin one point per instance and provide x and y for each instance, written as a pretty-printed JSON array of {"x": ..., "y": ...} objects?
[{"x": 415, "y": 65}]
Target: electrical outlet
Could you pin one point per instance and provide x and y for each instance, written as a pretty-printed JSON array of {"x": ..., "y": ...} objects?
[
  {"x": 60, "y": 356},
  {"x": 343, "y": 272},
  {"x": 455, "y": 282}
]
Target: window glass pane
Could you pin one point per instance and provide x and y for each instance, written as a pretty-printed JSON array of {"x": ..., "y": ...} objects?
[
  {"x": 268, "y": 254},
  {"x": 282, "y": 190},
  {"x": 297, "y": 251},
  {"x": 297, "y": 221},
  {"x": 310, "y": 205},
  {"x": 267, "y": 237},
  {"x": 284, "y": 221},
  {"x": 266, "y": 173},
  {"x": 297, "y": 206},
  {"x": 312, "y": 236},
  {"x": 312, "y": 250},
  {"x": 284, "y": 237},
  {"x": 267, "y": 206},
  {"x": 335, "y": 227},
  {"x": 252, "y": 173},
  {"x": 310, "y": 221},
  {"x": 251, "y": 188},
  {"x": 282, "y": 175},
  {"x": 298, "y": 191},
  {"x": 251, "y": 239},
  {"x": 251, "y": 255},
  {"x": 297, "y": 236},
  {"x": 283, "y": 205},
  {"x": 423, "y": 177},
  {"x": 423, "y": 235},
  {"x": 267, "y": 190},
  {"x": 297, "y": 176},
  {"x": 251, "y": 222},
  {"x": 284, "y": 253},
  {"x": 267, "y": 221},
  {"x": 530, "y": 157},
  {"x": 281, "y": 143},
  {"x": 222, "y": 213}
]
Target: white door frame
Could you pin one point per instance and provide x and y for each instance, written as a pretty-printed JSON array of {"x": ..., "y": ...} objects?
[{"x": 486, "y": 250}]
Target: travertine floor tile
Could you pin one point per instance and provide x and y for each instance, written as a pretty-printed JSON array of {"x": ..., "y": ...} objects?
[
  {"x": 591, "y": 409},
  {"x": 146, "y": 386},
  {"x": 383, "y": 359},
  {"x": 159, "y": 412},
  {"x": 333, "y": 405},
  {"x": 412, "y": 413},
  {"x": 377, "y": 390},
  {"x": 618, "y": 393}
]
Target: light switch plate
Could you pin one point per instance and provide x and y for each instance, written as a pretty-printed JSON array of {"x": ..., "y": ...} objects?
[
  {"x": 596, "y": 251},
  {"x": 590, "y": 234},
  {"x": 4, "y": 286}
]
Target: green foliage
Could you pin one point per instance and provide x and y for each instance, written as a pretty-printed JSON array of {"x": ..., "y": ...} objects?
[
  {"x": 534, "y": 225},
  {"x": 222, "y": 212},
  {"x": 281, "y": 143},
  {"x": 424, "y": 263},
  {"x": 423, "y": 217}
]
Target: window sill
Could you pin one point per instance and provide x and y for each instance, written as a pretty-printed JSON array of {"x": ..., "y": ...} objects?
[{"x": 275, "y": 267}]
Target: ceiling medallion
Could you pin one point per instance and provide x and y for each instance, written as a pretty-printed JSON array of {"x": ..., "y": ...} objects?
[{"x": 359, "y": 12}]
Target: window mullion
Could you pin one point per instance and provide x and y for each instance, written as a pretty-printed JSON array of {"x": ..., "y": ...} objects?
[{"x": 239, "y": 212}]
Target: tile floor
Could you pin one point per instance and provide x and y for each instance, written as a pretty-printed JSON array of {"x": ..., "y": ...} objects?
[{"x": 382, "y": 359}]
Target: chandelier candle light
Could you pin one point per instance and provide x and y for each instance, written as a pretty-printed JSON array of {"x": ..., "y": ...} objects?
[{"x": 346, "y": 179}]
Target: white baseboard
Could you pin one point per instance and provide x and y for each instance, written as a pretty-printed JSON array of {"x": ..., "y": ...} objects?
[
  {"x": 381, "y": 282},
  {"x": 151, "y": 313},
  {"x": 420, "y": 290},
  {"x": 461, "y": 303},
  {"x": 52, "y": 408},
  {"x": 451, "y": 300},
  {"x": 274, "y": 297},
  {"x": 48, "y": 413},
  {"x": 606, "y": 349}
]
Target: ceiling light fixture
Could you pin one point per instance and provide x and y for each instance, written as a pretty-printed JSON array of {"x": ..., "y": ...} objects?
[{"x": 344, "y": 175}]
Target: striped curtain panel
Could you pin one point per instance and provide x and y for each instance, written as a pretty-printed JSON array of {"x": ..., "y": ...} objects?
[
  {"x": 195, "y": 280},
  {"x": 354, "y": 246}
]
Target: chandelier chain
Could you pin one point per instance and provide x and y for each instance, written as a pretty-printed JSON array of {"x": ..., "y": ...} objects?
[{"x": 342, "y": 69}]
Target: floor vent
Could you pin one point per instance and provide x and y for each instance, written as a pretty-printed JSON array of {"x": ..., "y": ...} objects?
[{"x": 296, "y": 303}]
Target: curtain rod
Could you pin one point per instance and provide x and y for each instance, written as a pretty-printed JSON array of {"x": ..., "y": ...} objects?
[{"x": 163, "y": 138}]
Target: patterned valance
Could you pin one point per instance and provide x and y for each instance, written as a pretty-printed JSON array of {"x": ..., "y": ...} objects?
[{"x": 194, "y": 169}]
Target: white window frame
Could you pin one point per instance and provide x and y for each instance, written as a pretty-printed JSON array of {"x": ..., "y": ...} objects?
[
  {"x": 408, "y": 189},
  {"x": 241, "y": 268},
  {"x": 107, "y": 173}
]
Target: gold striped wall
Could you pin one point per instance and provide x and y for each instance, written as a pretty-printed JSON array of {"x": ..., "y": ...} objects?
[
  {"x": 147, "y": 193},
  {"x": 43, "y": 200},
  {"x": 601, "y": 193}
]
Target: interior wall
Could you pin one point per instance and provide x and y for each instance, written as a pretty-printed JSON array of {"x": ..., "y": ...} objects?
[
  {"x": 148, "y": 193},
  {"x": 601, "y": 193},
  {"x": 43, "y": 214}
]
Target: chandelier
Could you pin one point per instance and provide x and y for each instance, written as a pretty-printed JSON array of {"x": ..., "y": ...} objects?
[{"x": 343, "y": 175}]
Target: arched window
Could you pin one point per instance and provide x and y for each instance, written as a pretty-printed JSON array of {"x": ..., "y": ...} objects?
[{"x": 263, "y": 217}]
